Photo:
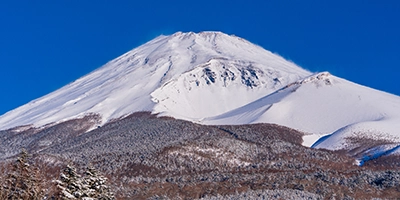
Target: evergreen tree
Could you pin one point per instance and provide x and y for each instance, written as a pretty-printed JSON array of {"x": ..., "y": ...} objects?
[
  {"x": 70, "y": 185},
  {"x": 96, "y": 184},
  {"x": 22, "y": 182},
  {"x": 91, "y": 186}
]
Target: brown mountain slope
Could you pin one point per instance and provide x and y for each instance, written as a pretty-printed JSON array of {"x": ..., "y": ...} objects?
[{"x": 146, "y": 157}]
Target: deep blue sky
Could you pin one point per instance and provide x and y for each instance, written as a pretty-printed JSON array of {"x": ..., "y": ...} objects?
[{"x": 47, "y": 44}]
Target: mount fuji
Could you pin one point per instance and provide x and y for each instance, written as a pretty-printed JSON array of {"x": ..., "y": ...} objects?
[
  {"x": 218, "y": 79},
  {"x": 186, "y": 75}
]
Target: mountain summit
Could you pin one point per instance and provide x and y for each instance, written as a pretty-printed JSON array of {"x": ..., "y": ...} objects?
[
  {"x": 219, "y": 79},
  {"x": 185, "y": 75}
]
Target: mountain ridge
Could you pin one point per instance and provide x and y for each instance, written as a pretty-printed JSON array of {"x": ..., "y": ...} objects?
[
  {"x": 214, "y": 78},
  {"x": 211, "y": 116},
  {"x": 333, "y": 102},
  {"x": 132, "y": 77}
]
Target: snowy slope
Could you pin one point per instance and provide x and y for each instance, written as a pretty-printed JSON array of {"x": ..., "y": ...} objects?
[
  {"x": 323, "y": 104},
  {"x": 185, "y": 75},
  {"x": 214, "y": 78},
  {"x": 218, "y": 86}
]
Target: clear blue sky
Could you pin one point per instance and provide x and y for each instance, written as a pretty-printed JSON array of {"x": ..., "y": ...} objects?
[{"x": 47, "y": 44}]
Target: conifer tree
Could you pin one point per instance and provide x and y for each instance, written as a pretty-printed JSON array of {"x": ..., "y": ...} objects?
[
  {"x": 96, "y": 184},
  {"x": 70, "y": 185},
  {"x": 22, "y": 181},
  {"x": 91, "y": 186}
]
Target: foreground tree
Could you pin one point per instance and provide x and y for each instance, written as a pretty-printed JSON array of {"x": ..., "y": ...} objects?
[
  {"x": 96, "y": 184},
  {"x": 22, "y": 181},
  {"x": 91, "y": 186},
  {"x": 70, "y": 184}
]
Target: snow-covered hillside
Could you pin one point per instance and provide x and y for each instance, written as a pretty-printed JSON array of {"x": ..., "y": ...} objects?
[
  {"x": 185, "y": 75},
  {"x": 347, "y": 114},
  {"x": 214, "y": 78}
]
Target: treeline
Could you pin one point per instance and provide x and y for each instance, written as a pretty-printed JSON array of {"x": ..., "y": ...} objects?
[
  {"x": 145, "y": 157},
  {"x": 24, "y": 181}
]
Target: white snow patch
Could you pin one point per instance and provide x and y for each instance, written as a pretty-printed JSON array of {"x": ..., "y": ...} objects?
[{"x": 218, "y": 154}]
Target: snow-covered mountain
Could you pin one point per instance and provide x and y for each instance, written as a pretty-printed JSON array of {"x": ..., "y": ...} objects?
[
  {"x": 323, "y": 104},
  {"x": 214, "y": 78},
  {"x": 185, "y": 75}
]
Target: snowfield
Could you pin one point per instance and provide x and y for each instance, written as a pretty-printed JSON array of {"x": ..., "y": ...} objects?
[
  {"x": 218, "y": 79},
  {"x": 185, "y": 75},
  {"x": 323, "y": 104}
]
